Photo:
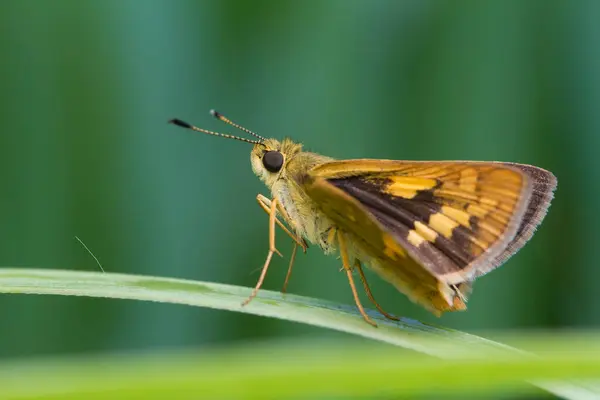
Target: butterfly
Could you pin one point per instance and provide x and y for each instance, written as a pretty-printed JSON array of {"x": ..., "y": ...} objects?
[{"x": 430, "y": 228}]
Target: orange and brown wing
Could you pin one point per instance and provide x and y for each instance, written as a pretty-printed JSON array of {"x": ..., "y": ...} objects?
[{"x": 457, "y": 220}]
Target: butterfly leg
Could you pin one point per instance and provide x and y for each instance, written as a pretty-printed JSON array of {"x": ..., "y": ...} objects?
[
  {"x": 265, "y": 204},
  {"x": 289, "y": 271},
  {"x": 348, "y": 268},
  {"x": 272, "y": 250},
  {"x": 363, "y": 278}
]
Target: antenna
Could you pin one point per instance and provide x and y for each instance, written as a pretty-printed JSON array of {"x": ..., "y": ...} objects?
[
  {"x": 221, "y": 117},
  {"x": 183, "y": 124}
]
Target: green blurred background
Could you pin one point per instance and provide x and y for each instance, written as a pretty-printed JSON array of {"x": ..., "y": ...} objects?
[{"x": 86, "y": 88}]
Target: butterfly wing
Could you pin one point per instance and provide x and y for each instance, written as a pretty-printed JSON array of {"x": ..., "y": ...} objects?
[{"x": 444, "y": 221}]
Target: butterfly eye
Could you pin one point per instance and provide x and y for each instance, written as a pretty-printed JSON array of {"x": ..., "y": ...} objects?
[{"x": 273, "y": 161}]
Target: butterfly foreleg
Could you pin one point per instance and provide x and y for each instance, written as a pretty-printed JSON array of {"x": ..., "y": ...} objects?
[
  {"x": 265, "y": 204},
  {"x": 272, "y": 250},
  {"x": 346, "y": 263},
  {"x": 363, "y": 278}
]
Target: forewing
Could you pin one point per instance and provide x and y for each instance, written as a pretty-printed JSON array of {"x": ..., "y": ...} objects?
[{"x": 456, "y": 219}]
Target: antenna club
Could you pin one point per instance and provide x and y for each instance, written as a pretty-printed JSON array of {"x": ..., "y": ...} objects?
[
  {"x": 178, "y": 122},
  {"x": 216, "y": 114}
]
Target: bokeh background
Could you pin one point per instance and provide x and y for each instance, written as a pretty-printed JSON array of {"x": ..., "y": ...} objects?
[{"x": 86, "y": 88}]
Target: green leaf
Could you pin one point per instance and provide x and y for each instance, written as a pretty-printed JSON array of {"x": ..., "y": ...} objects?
[{"x": 359, "y": 369}]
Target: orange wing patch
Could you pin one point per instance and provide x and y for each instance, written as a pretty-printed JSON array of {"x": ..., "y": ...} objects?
[{"x": 408, "y": 186}]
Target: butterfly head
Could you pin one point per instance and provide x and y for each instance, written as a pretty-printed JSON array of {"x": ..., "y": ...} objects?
[{"x": 270, "y": 158}]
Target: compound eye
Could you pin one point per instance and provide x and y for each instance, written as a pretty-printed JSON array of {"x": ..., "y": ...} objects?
[{"x": 273, "y": 161}]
